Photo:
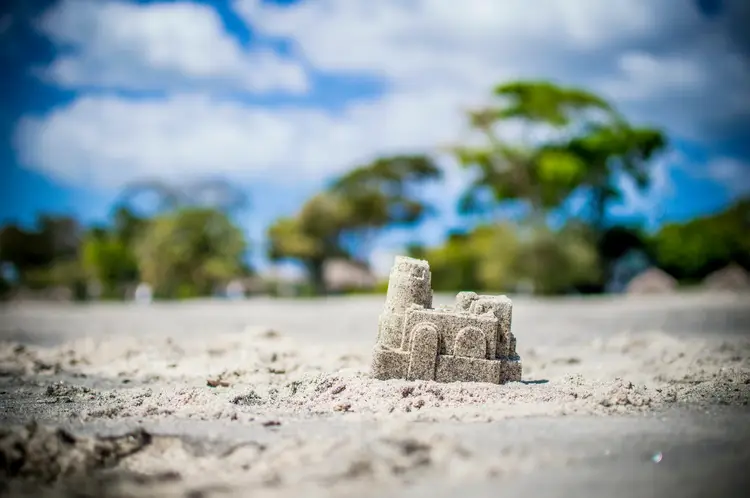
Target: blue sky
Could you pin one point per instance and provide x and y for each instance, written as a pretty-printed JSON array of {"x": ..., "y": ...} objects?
[{"x": 280, "y": 96}]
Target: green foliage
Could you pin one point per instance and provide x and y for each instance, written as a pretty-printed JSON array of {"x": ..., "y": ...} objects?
[
  {"x": 545, "y": 102},
  {"x": 45, "y": 256},
  {"x": 383, "y": 194},
  {"x": 587, "y": 143},
  {"x": 498, "y": 248},
  {"x": 501, "y": 258},
  {"x": 127, "y": 226},
  {"x": 482, "y": 259},
  {"x": 381, "y": 287},
  {"x": 107, "y": 254},
  {"x": 189, "y": 252},
  {"x": 609, "y": 149},
  {"x": 54, "y": 238},
  {"x": 287, "y": 239},
  {"x": 341, "y": 221},
  {"x": 313, "y": 236},
  {"x": 62, "y": 274},
  {"x": 557, "y": 262},
  {"x": 570, "y": 139},
  {"x": 453, "y": 264},
  {"x": 108, "y": 260},
  {"x": 566, "y": 140},
  {"x": 541, "y": 173},
  {"x": 692, "y": 250}
]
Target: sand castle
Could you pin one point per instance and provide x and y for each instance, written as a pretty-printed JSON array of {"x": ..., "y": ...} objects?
[{"x": 469, "y": 342}]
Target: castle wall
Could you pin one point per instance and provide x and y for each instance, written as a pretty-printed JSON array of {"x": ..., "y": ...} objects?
[
  {"x": 448, "y": 326},
  {"x": 502, "y": 308},
  {"x": 450, "y": 368}
]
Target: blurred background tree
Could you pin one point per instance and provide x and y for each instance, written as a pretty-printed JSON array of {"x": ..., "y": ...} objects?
[
  {"x": 343, "y": 221},
  {"x": 311, "y": 237},
  {"x": 538, "y": 144},
  {"x": 384, "y": 193},
  {"x": 559, "y": 261},
  {"x": 44, "y": 256},
  {"x": 190, "y": 252},
  {"x": 484, "y": 258},
  {"x": 109, "y": 260},
  {"x": 566, "y": 140},
  {"x": 531, "y": 165},
  {"x": 690, "y": 251}
]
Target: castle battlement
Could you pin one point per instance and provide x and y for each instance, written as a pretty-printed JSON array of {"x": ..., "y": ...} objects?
[{"x": 470, "y": 341}]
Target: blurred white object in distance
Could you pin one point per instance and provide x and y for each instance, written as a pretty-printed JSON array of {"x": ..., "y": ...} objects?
[
  {"x": 143, "y": 294},
  {"x": 235, "y": 290}
]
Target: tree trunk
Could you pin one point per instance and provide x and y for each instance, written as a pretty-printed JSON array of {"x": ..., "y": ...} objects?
[
  {"x": 315, "y": 272},
  {"x": 599, "y": 228}
]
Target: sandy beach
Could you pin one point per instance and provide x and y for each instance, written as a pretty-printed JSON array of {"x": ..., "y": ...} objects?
[{"x": 621, "y": 396}]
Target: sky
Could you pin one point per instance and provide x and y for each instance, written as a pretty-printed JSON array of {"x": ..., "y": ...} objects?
[{"x": 280, "y": 96}]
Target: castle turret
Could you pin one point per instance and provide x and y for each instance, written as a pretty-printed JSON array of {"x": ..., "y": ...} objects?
[{"x": 409, "y": 283}]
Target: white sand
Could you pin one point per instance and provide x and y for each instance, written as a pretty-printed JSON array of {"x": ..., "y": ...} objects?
[{"x": 293, "y": 409}]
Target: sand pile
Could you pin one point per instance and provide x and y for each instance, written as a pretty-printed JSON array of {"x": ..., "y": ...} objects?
[
  {"x": 294, "y": 417},
  {"x": 732, "y": 278},
  {"x": 325, "y": 464},
  {"x": 265, "y": 377},
  {"x": 652, "y": 281}
]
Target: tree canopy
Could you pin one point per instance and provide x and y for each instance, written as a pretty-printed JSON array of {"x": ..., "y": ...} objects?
[
  {"x": 565, "y": 138},
  {"x": 343, "y": 220},
  {"x": 692, "y": 250},
  {"x": 189, "y": 252}
]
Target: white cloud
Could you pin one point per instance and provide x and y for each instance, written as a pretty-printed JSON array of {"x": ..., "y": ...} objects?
[
  {"x": 646, "y": 76},
  {"x": 159, "y": 46},
  {"x": 635, "y": 51},
  {"x": 102, "y": 141},
  {"x": 436, "y": 57}
]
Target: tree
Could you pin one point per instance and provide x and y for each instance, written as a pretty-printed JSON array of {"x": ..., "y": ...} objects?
[
  {"x": 482, "y": 259},
  {"x": 383, "y": 193},
  {"x": 19, "y": 248},
  {"x": 109, "y": 260},
  {"x": 500, "y": 258},
  {"x": 527, "y": 168},
  {"x": 454, "y": 263},
  {"x": 570, "y": 138},
  {"x": 342, "y": 221},
  {"x": 558, "y": 262},
  {"x": 126, "y": 225},
  {"x": 608, "y": 150},
  {"x": 55, "y": 239},
  {"x": 107, "y": 254},
  {"x": 189, "y": 252},
  {"x": 313, "y": 236},
  {"x": 618, "y": 241},
  {"x": 691, "y": 250}
]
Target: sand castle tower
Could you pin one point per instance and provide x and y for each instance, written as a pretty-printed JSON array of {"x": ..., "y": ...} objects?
[
  {"x": 470, "y": 341},
  {"x": 409, "y": 284}
]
